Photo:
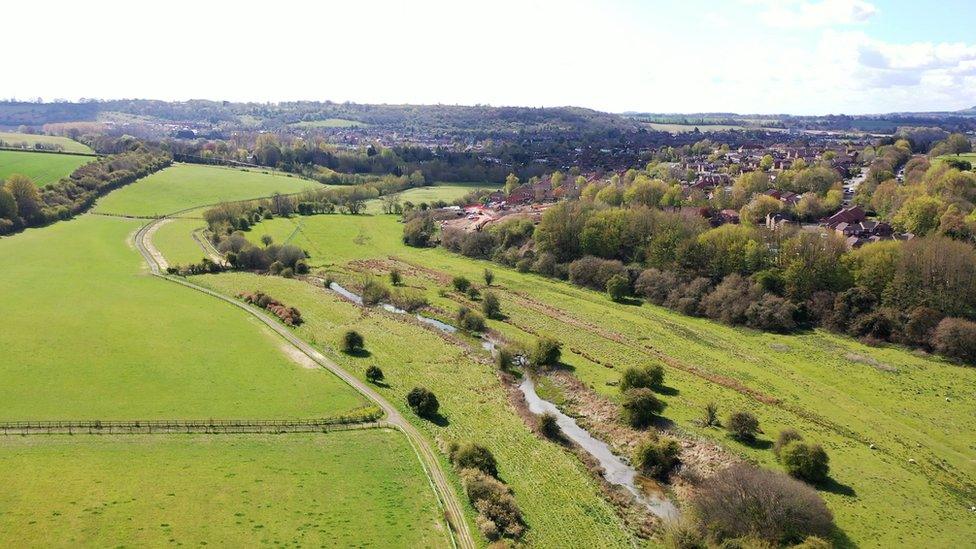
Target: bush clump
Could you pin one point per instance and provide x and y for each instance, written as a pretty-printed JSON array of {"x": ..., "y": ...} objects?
[
  {"x": 461, "y": 284},
  {"x": 473, "y": 456},
  {"x": 546, "y": 352},
  {"x": 785, "y": 437},
  {"x": 617, "y": 287},
  {"x": 289, "y": 315},
  {"x": 374, "y": 374},
  {"x": 498, "y": 514},
  {"x": 956, "y": 339},
  {"x": 642, "y": 377},
  {"x": 491, "y": 306},
  {"x": 373, "y": 292},
  {"x": 470, "y": 321},
  {"x": 352, "y": 342},
  {"x": 745, "y": 501},
  {"x": 743, "y": 426},
  {"x": 640, "y": 406},
  {"x": 656, "y": 456},
  {"x": 805, "y": 461},
  {"x": 423, "y": 402},
  {"x": 549, "y": 427}
]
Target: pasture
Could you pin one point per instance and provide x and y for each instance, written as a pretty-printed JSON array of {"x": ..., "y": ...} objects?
[
  {"x": 183, "y": 186},
  {"x": 349, "y": 489},
  {"x": 11, "y": 139},
  {"x": 43, "y": 168},
  {"x": 968, "y": 157},
  {"x": 914, "y": 487},
  {"x": 89, "y": 335},
  {"x": 174, "y": 239},
  {"x": 561, "y": 503}
]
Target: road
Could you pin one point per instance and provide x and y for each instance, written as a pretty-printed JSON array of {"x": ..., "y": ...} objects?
[{"x": 459, "y": 531}]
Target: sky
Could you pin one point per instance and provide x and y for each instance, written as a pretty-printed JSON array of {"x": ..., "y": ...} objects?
[{"x": 744, "y": 56}]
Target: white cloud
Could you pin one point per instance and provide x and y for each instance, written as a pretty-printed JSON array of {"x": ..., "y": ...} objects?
[{"x": 826, "y": 13}]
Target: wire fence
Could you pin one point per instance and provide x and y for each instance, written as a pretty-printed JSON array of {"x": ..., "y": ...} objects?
[{"x": 366, "y": 418}]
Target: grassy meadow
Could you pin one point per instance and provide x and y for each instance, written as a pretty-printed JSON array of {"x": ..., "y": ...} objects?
[
  {"x": 183, "y": 186},
  {"x": 561, "y": 503},
  {"x": 342, "y": 489},
  {"x": 67, "y": 145},
  {"x": 43, "y": 168},
  {"x": 174, "y": 239},
  {"x": 968, "y": 157},
  {"x": 915, "y": 486},
  {"x": 90, "y": 335}
]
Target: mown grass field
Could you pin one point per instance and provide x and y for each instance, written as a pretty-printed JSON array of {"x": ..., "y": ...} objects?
[
  {"x": 447, "y": 192},
  {"x": 42, "y": 168},
  {"x": 561, "y": 503},
  {"x": 89, "y": 335},
  {"x": 174, "y": 239},
  {"x": 832, "y": 389},
  {"x": 342, "y": 489},
  {"x": 184, "y": 186},
  {"x": 67, "y": 145}
]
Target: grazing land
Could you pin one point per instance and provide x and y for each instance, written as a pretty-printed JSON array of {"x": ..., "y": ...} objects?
[
  {"x": 184, "y": 186},
  {"x": 916, "y": 410},
  {"x": 448, "y": 192},
  {"x": 91, "y": 336},
  {"x": 473, "y": 404},
  {"x": 968, "y": 157},
  {"x": 349, "y": 489},
  {"x": 174, "y": 239},
  {"x": 43, "y": 168},
  {"x": 11, "y": 139}
]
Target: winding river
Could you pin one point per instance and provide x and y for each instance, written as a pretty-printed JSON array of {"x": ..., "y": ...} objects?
[{"x": 615, "y": 470}]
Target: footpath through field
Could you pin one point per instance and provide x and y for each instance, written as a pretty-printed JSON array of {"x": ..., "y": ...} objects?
[{"x": 458, "y": 527}]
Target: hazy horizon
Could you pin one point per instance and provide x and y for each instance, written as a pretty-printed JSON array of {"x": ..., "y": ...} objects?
[{"x": 746, "y": 56}]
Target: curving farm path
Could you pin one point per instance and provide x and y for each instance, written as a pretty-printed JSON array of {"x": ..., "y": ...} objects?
[{"x": 458, "y": 528}]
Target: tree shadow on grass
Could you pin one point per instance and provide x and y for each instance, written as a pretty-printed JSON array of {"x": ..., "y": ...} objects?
[
  {"x": 667, "y": 391},
  {"x": 438, "y": 419},
  {"x": 834, "y": 487},
  {"x": 359, "y": 353},
  {"x": 381, "y": 383},
  {"x": 756, "y": 443},
  {"x": 633, "y": 302}
]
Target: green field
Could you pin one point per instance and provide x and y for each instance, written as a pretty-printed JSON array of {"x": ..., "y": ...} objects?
[
  {"x": 90, "y": 335},
  {"x": 560, "y": 501},
  {"x": 330, "y": 123},
  {"x": 183, "y": 186},
  {"x": 42, "y": 168},
  {"x": 448, "y": 192},
  {"x": 835, "y": 390},
  {"x": 342, "y": 489},
  {"x": 67, "y": 145},
  {"x": 174, "y": 239},
  {"x": 968, "y": 157}
]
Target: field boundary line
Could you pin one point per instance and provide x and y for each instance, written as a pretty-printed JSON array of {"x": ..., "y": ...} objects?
[{"x": 458, "y": 530}]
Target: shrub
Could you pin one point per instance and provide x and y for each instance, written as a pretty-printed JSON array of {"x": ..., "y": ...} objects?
[
  {"x": 408, "y": 299},
  {"x": 745, "y": 501},
  {"x": 374, "y": 374},
  {"x": 921, "y": 325},
  {"x": 814, "y": 542},
  {"x": 469, "y": 320},
  {"x": 956, "y": 338},
  {"x": 523, "y": 265},
  {"x": 472, "y": 292},
  {"x": 395, "y": 277},
  {"x": 710, "y": 419},
  {"x": 289, "y": 315},
  {"x": 489, "y": 277},
  {"x": 772, "y": 314},
  {"x": 418, "y": 231},
  {"x": 642, "y": 377},
  {"x": 473, "y": 456},
  {"x": 804, "y": 461},
  {"x": 498, "y": 513},
  {"x": 655, "y": 285},
  {"x": 655, "y": 456},
  {"x": 687, "y": 298},
  {"x": 288, "y": 272},
  {"x": 617, "y": 287},
  {"x": 594, "y": 273},
  {"x": 461, "y": 284},
  {"x": 729, "y": 300},
  {"x": 640, "y": 406},
  {"x": 490, "y": 305},
  {"x": 276, "y": 267},
  {"x": 545, "y": 264},
  {"x": 301, "y": 267},
  {"x": 546, "y": 352},
  {"x": 423, "y": 402},
  {"x": 743, "y": 426},
  {"x": 373, "y": 291},
  {"x": 549, "y": 427},
  {"x": 785, "y": 437},
  {"x": 352, "y": 342}
]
